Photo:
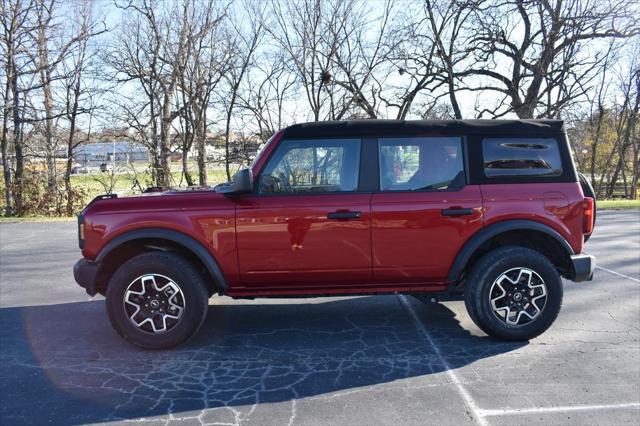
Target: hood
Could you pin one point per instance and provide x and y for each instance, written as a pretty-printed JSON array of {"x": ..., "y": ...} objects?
[{"x": 189, "y": 199}]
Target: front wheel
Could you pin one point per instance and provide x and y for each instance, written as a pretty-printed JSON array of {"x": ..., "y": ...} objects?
[
  {"x": 157, "y": 300},
  {"x": 513, "y": 293}
]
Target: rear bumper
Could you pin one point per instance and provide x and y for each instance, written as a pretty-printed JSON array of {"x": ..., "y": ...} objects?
[
  {"x": 583, "y": 266},
  {"x": 84, "y": 272}
]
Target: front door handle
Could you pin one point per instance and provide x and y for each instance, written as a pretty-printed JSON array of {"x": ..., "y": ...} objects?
[
  {"x": 343, "y": 215},
  {"x": 456, "y": 212}
]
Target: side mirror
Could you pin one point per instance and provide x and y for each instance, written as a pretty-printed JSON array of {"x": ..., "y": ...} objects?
[{"x": 242, "y": 181}]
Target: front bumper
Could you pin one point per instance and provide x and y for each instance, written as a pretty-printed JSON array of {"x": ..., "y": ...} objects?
[
  {"x": 583, "y": 266},
  {"x": 84, "y": 272}
]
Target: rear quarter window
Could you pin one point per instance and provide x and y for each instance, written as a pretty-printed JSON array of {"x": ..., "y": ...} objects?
[{"x": 521, "y": 157}]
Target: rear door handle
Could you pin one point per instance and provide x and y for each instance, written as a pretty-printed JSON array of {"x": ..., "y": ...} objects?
[
  {"x": 343, "y": 215},
  {"x": 456, "y": 212}
]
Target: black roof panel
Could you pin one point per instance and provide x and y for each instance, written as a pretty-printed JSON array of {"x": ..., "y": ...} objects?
[{"x": 379, "y": 128}]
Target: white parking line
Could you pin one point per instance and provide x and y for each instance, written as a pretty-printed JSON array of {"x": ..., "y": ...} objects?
[
  {"x": 542, "y": 410},
  {"x": 618, "y": 274},
  {"x": 476, "y": 412}
]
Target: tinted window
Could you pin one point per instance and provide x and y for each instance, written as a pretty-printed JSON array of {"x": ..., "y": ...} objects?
[
  {"x": 521, "y": 157},
  {"x": 420, "y": 163},
  {"x": 302, "y": 166}
]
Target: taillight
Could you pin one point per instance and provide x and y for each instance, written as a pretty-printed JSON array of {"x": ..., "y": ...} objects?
[
  {"x": 587, "y": 215},
  {"x": 81, "y": 231}
]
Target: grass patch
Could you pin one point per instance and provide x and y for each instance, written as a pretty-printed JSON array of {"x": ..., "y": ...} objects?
[
  {"x": 30, "y": 219},
  {"x": 618, "y": 204}
]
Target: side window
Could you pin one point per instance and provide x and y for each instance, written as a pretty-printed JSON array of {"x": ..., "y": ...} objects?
[
  {"x": 421, "y": 163},
  {"x": 521, "y": 157},
  {"x": 309, "y": 166}
]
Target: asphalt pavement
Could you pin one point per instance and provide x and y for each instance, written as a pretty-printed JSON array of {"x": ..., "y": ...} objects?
[{"x": 325, "y": 361}]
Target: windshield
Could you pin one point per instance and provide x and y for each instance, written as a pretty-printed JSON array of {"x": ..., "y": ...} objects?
[{"x": 261, "y": 150}]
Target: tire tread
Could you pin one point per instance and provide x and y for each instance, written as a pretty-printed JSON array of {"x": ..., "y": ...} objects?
[
  {"x": 151, "y": 261},
  {"x": 480, "y": 276}
]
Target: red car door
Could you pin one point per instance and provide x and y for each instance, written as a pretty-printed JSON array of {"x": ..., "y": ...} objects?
[
  {"x": 306, "y": 225},
  {"x": 424, "y": 212}
]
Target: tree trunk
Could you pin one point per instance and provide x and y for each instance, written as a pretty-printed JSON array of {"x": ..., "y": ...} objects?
[
  {"x": 594, "y": 147},
  {"x": 17, "y": 142},
  {"x": 625, "y": 141},
  {"x": 45, "y": 80},
  {"x": 452, "y": 97},
  {"x": 48, "y": 136},
  {"x": 67, "y": 181},
  {"x": 153, "y": 149},
  {"x": 185, "y": 162},
  {"x": 6, "y": 167},
  {"x": 164, "y": 178},
  {"x": 201, "y": 137},
  {"x": 635, "y": 175},
  {"x": 70, "y": 147},
  {"x": 227, "y": 130},
  {"x": 226, "y": 147},
  {"x": 202, "y": 167}
]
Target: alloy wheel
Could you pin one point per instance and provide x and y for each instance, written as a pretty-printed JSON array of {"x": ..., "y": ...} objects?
[
  {"x": 518, "y": 296},
  {"x": 154, "y": 303}
]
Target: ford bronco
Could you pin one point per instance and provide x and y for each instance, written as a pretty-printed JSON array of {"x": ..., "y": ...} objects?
[{"x": 492, "y": 211}]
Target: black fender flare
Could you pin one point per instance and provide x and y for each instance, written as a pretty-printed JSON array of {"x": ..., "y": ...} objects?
[
  {"x": 175, "y": 236},
  {"x": 491, "y": 231}
]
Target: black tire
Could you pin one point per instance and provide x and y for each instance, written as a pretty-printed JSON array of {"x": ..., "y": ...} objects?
[
  {"x": 484, "y": 273},
  {"x": 183, "y": 274}
]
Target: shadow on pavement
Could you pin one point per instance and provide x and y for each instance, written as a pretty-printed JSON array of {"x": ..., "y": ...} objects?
[{"x": 63, "y": 363}]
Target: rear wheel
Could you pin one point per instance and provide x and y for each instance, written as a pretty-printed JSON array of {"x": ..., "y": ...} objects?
[
  {"x": 513, "y": 293},
  {"x": 157, "y": 300}
]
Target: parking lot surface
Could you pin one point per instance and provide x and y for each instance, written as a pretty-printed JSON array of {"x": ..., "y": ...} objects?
[{"x": 358, "y": 361}]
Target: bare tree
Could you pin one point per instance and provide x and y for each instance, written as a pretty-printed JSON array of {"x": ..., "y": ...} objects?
[
  {"x": 203, "y": 71},
  {"x": 596, "y": 118},
  {"x": 53, "y": 44},
  {"x": 14, "y": 22},
  {"x": 175, "y": 48},
  {"x": 423, "y": 53},
  {"x": 17, "y": 24},
  {"x": 306, "y": 31},
  {"x": 361, "y": 53},
  {"x": 153, "y": 51},
  {"x": 449, "y": 20},
  {"x": 411, "y": 62},
  {"x": 79, "y": 95},
  {"x": 531, "y": 52},
  {"x": 135, "y": 58},
  {"x": 267, "y": 89},
  {"x": 44, "y": 10},
  {"x": 605, "y": 138},
  {"x": 627, "y": 124},
  {"x": 243, "y": 47}
]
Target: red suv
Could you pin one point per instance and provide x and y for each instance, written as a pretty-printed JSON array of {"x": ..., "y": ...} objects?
[{"x": 489, "y": 210}]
